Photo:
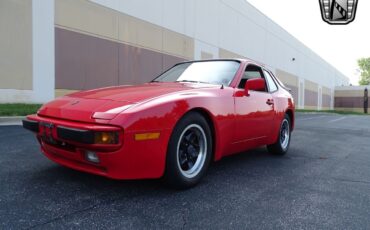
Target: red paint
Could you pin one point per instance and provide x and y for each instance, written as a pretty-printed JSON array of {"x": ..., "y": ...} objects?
[
  {"x": 257, "y": 84},
  {"x": 240, "y": 122}
]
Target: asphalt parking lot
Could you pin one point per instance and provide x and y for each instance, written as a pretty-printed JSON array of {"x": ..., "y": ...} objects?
[{"x": 322, "y": 183}]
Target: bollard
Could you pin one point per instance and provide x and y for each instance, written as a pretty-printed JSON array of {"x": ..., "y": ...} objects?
[{"x": 366, "y": 100}]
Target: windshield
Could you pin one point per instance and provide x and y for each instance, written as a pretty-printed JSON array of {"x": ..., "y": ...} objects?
[{"x": 210, "y": 72}]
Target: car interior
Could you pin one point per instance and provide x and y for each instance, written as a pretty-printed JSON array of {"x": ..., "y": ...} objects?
[{"x": 251, "y": 72}]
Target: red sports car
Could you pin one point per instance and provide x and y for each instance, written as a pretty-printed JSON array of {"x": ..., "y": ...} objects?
[{"x": 172, "y": 127}]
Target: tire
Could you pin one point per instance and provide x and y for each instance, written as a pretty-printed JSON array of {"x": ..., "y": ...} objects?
[
  {"x": 281, "y": 146},
  {"x": 189, "y": 152}
]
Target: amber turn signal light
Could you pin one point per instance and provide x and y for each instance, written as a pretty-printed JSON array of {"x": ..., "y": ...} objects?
[
  {"x": 106, "y": 138},
  {"x": 146, "y": 136}
]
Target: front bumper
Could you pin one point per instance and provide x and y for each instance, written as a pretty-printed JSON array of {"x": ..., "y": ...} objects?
[
  {"x": 66, "y": 143},
  {"x": 63, "y": 133}
]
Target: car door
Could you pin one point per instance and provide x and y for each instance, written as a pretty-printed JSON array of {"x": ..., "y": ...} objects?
[{"x": 254, "y": 113}]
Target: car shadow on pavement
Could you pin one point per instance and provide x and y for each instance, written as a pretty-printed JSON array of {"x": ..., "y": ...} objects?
[
  {"x": 228, "y": 167},
  {"x": 55, "y": 193}
]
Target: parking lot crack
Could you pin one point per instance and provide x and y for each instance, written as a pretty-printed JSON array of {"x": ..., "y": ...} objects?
[
  {"x": 184, "y": 219},
  {"x": 63, "y": 216},
  {"x": 352, "y": 181},
  {"x": 82, "y": 210}
]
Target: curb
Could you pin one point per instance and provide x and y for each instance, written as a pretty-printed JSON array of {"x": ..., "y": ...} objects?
[{"x": 16, "y": 120}]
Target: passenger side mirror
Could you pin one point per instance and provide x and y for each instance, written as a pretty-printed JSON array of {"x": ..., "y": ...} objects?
[{"x": 255, "y": 84}]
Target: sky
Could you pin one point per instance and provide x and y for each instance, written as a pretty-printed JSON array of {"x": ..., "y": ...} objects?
[{"x": 340, "y": 45}]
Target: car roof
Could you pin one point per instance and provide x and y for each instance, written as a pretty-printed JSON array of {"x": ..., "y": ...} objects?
[{"x": 241, "y": 60}]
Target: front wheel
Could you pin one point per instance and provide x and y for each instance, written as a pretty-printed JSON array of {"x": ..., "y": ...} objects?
[
  {"x": 189, "y": 151},
  {"x": 281, "y": 146}
]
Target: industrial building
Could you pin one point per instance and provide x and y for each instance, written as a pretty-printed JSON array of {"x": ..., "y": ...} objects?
[{"x": 50, "y": 48}]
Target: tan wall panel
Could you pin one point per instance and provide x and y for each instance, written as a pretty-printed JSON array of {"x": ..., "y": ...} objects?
[
  {"x": 85, "y": 62},
  {"x": 87, "y": 16},
  {"x": 287, "y": 78},
  {"x": 139, "y": 32},
  {"x": 206, "y": 56},
  {"x": 326, "y": 91},
  {"x": 326, "y": 100},
  {"x": 62, "y": 92},
  {"x": 177, "y": 44},
  {"x": 310, "y": 107},
  {"x": 91, "y": 18},
  {"x": 358, "y": 110},
  {"x": 16, "y": 44},
  {"x": 228, "y": 54},
  {"x": 310, "y": 98},
  {"x": 349, "y": 93},
  {"x": 309, "y": 85}
]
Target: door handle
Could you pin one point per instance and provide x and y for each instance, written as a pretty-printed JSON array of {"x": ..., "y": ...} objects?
[{"x": 270, "y": 102}]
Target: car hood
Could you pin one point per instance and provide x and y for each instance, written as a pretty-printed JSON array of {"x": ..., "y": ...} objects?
[
  {"x": 107, "y": 103},
  {"x": 136, "y": 94}
]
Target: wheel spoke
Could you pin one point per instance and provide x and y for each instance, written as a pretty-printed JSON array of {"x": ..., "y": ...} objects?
[
  {"x": 188, "y": 137},
  {"x": 193, "y": 140},
  {"x": 195, "y": 143},
  {"x": 191, "y": 150},
  {"x": 193, "y": 137},
  {"x": 193, "y": 154},
  {"x": 190, "y": 164},
  {"x": 183, "y": 162},
  {"x": 183, "y": 158}
]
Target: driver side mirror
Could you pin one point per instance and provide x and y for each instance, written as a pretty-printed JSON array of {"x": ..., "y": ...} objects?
[{"x": 255, "y": 84}]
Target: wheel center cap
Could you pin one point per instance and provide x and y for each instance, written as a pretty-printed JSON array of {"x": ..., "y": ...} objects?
[{"x": 192, "y": 151}]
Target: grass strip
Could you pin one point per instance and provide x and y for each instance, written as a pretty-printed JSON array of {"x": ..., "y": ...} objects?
[{"x": 18, "y": 109}]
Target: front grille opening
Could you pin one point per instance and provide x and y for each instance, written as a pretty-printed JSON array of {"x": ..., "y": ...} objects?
[{"x": 60, "y": 145}]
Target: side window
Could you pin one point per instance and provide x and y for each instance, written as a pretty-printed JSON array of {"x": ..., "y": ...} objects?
[
  {"x": 270, "y": 82},
  {"x": 251, "y": 72}
]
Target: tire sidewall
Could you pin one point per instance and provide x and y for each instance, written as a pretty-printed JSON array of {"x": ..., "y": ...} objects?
[
  {"x": 286, "y": 118},
  {"x": 173, "y": 173}
]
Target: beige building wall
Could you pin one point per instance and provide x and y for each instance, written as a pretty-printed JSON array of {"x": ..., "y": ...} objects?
[
  {"x": 88, "y": 33},
  {"x": 326, "y": 98},
  {"x": 206, "y": 55},
  {"x": 311, "y": 95},
  {"x": 326, "y": 91},
  {"x": 16, "y": 44},
  {"x": 93, "y": 40},
  {"x": 62, "y": 92},
  {"x": 351, "y": 98},
  {"x": 312, "y": 86},
  {"x": 291, "y": 81},
  {"x": 287, "y": 78},
  {"x": 228, "y": 54},
  {"x": 89, "y": 18}
]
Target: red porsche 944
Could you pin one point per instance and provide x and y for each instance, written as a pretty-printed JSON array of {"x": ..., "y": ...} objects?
[{"x": 171, "y": 127}]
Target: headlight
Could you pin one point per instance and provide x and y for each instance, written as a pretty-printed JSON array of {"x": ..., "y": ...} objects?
[{"x": 106, "y": 138}]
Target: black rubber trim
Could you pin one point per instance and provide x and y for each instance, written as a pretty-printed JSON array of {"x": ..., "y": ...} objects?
[
  {"x": 76, "y": 135},
  {"x": 31, "y": 125}
]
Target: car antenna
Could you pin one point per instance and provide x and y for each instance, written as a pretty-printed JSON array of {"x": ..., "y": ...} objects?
[{"x": 222, "y": 86}]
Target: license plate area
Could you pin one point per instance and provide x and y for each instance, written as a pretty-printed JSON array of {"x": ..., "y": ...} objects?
[
  {"x": 46, "y": 132},
  {"x": 48, "y": 135}
]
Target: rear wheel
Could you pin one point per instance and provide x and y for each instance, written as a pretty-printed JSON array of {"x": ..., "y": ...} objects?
[
  {"x": 281, "y": 146},
  {"x": 189, "y": 151}
]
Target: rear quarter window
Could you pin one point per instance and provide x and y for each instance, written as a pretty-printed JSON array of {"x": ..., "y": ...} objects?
[{"x": 270, "y": 82}]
